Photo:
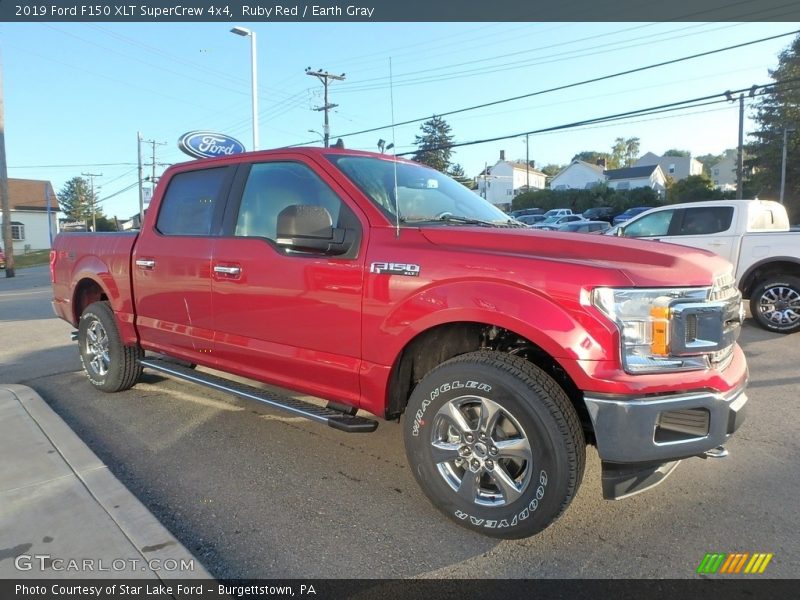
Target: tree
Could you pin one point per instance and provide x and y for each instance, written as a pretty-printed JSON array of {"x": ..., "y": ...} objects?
[
  {"x": 552, "y": 170},
  {"x": 433, "y": 146},
  {"x": 676, "y": 152},
  {"x": 592, "y": 156},
  {"x": 624, "y": 152},
  {"x": 76, "y": 200},
  {"x": 457, "y": 173},
  {"x": 776, "y": 110},
  {"x": 692, "y": 189}
]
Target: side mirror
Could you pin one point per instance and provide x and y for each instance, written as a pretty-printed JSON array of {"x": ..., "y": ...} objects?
[
  {"x": 620, "y": 231},
  {"x": 310, "y": 229}
]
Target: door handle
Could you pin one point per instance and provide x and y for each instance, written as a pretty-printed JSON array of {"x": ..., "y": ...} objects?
[
  {"x": 145, "y": 263},
  {"x": 227, "y": 270}
]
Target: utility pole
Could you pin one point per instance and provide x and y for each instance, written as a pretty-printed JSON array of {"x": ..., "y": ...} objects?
[
  {"x": 325, "y": 78},
  {"x": 8, "y": 242},
  {"x": 141, "y": 190},
  {"x": 91, "y": 177},
  {"x": 527, "y": 165},
  {"x": 740, "y": 157},
  {"x": 152, "y": 177},
  {"x": 786, "y": 131}
]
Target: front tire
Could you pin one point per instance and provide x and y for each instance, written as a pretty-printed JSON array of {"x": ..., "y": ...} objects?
[
  {"x": 109, "y": 365},
  {"x": 775, "y": 304},
  {"x": 495, "y": 444}
]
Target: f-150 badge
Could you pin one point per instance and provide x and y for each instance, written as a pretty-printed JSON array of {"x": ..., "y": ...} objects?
[{"x": 393, "y": 268}]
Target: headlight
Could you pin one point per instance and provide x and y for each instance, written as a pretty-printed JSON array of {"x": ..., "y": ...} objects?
[{"x": 643, "y": 317}]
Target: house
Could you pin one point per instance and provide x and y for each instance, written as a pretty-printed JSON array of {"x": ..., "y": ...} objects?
[
  {"x": 34, "y": 206},
  {"x": 723, "y": 174},
  {"x": 500, "y": 183},
  {"x": 629, "y": 178},
  {"x": 676, "y": 167},
  {"x": 578, "y": 175}
]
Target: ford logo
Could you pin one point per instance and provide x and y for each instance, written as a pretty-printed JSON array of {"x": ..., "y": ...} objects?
[{"x": 208, "y": 144}]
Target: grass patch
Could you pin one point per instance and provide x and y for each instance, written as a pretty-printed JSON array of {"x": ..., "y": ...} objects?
[{"x": 31, "y": 259}]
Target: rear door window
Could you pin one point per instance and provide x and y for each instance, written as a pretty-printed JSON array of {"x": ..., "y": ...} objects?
[
  {"x": 191, "y": 202},
  {"x": 705, "y": 220}
]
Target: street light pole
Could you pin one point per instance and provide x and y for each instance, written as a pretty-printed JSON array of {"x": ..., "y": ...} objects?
[
  {"x": 244, "y": 32},
  {"x": 786, "y": 131}
]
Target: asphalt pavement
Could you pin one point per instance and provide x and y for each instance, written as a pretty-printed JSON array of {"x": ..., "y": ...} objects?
[{"x": 252, "y": 492}]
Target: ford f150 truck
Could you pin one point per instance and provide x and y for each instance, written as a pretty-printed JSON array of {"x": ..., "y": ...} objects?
[
  {"x": 383, "y": 286},
  {"x": 753, "y": 234}
]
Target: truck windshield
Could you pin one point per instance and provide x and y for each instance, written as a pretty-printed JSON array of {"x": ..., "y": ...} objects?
[{"x": 422, "y": 194}]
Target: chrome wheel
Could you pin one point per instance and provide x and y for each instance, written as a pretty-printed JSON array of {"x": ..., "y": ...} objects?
[
  {"x": 481, "y": 451},
  {"x": 97, "y": 348},
  {"x": 780, "y": 305}
]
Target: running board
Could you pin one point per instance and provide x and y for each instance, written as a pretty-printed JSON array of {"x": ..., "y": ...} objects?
[{"x": 332, "y": 418}]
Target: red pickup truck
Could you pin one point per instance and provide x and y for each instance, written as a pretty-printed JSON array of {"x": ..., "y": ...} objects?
[{"x": 383, "y": 286}]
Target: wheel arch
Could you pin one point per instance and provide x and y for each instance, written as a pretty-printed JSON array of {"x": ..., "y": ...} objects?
[
  {"x": 87, "y": 291},
  {"x": 768, "y": 267},
  {"x": 444, "y": 341}
]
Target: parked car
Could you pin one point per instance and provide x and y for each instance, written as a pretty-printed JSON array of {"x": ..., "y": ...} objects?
[
  {"x": 551, "y": 223},
  {"x": 2, "y": 259},
  {"x": 530, "y": 219},
  {"x": 558, "y": 212},
  {"x": 585, "y": 226},
  {"x": 600, "y": 213},
  {"x": 526, "y": 211},
  {"x": 629, "y": 214},
  {"x": 754, "y": 235}
]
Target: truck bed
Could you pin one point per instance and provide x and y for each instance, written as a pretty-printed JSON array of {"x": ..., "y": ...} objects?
[{"x": 91, "y": 262}]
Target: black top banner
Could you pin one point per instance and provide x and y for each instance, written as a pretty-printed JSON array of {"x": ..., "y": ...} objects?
[{"x": 269, "y": 11}]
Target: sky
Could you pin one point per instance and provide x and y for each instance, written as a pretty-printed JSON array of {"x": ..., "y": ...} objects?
[{"x": 76, "y": 94}]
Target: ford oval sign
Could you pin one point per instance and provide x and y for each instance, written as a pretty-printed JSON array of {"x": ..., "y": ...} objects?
[{"x": 208, "y": 144}]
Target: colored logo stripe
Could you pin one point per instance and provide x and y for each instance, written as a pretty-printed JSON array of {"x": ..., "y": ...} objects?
[{"x": 723, "y": 563}]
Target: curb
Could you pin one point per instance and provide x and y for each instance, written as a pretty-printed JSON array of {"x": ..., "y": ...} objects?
[{"x": 54, "y": 471}]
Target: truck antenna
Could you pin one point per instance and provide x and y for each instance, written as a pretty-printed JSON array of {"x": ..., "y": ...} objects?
[{"x": 394, "y": 155}]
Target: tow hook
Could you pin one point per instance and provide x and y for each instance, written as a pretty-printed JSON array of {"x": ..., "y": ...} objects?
[
  {"x": 74, "y": 336},
  {"x": 718, "y": 452}
]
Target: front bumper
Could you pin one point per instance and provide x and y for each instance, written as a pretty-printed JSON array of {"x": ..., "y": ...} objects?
[{"x": 663, "y": 428}]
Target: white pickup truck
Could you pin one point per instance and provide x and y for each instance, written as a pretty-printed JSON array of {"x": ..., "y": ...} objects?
[{"x": 753, "y": 234}]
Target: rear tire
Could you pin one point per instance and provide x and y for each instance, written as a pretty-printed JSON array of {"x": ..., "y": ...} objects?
[
  {"x": 109, "y": 365},
  {"x": 775, "y": 304},
  {"x": 495, "y": 444}
]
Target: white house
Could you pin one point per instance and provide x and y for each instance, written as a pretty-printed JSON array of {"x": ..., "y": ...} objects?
[
  {"x": 677, "y": 167},
  {"x": 723, "y": 174},
  {"x": 636, "y": 177},
  {"x": 32, "y": 224},
  {"x": 578, "y": 175},
  {"x": 500, "y": 183}
]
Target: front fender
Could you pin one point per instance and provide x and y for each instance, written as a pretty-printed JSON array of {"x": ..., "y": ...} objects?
[{"x": 560, "y": 327}]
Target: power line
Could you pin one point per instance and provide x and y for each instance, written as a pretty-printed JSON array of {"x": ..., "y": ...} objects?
[
  {"x": 672, "y": 106},
  {"x": 567, "y": 86},
  {"x": 123, "y": 164}
]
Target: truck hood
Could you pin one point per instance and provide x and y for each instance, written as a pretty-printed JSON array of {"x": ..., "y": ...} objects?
[{"x": 644, "y": 263}]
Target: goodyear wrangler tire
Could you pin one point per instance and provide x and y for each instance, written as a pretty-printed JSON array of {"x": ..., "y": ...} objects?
[
  {"x": 495, "y": 444},
  {"x": 109, "y": 365},
  {"x": 775, "y": 304}
]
